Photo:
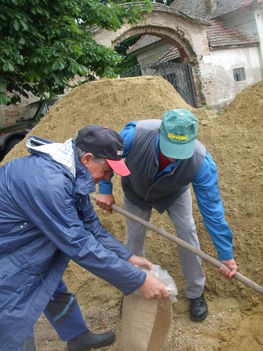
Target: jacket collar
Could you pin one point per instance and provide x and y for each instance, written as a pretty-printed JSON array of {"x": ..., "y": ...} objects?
[{"x": 66, "y": 155}]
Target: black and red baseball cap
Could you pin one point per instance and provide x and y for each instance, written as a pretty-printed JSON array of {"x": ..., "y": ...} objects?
[{"x": 105, "y": 143}]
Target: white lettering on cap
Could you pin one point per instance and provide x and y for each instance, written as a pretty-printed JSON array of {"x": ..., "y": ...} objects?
[{"x": 119, "y": 152}]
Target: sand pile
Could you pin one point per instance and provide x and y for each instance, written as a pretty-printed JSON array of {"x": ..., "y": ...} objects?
[
  {"x": 236, "y": 143},
  {"x": 108, "y": 102},
  {"x": 111, "y": 103},
  {"x": 234, "y": 139}
]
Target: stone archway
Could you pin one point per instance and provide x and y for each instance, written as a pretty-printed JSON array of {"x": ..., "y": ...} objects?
[{"x": 187, "y": 34}]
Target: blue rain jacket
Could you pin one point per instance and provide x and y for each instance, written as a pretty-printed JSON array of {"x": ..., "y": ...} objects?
[{"x": 46, "y": 219}]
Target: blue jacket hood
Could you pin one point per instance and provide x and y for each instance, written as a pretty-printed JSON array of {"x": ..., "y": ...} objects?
[{"x": 66, "y": 155}]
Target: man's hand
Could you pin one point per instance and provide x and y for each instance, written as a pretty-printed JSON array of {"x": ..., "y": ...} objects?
[
  {"x": 152, "y": 288},
  {"x": 231, "y": 269},
  {"x": 140, "y": 261},
  {"x": 105, "y": 201}
]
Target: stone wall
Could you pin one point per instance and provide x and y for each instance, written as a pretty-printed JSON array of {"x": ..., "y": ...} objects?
[{"x": 9, "y": 114}]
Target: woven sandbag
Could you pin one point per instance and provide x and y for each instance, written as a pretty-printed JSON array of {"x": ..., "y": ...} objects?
[{"x": 145, "y": 323}]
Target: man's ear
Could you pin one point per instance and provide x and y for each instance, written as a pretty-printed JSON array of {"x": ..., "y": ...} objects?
[{"x": 86, "y": 158}]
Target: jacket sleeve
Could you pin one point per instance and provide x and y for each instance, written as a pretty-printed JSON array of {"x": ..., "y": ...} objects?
[
  {"x": 48, "y": 202},
  {"x": 92, "y": 223},
  {"x": 211, "y": 208},
  {"x": 127, "y": 133}
]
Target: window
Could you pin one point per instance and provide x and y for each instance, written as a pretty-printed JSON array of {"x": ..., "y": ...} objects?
[{"x": 239, "y": 74}]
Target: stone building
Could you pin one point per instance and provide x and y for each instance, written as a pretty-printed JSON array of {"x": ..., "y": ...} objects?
[{"x": 215, "y": 45}]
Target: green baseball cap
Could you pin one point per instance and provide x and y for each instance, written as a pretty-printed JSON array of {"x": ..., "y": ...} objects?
[{"x": 178, "y": 131}]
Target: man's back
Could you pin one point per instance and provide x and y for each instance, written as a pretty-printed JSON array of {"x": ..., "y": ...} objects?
[{"x": 30, "y": 264}]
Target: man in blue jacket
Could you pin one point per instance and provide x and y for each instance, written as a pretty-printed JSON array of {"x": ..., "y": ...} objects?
[
  {"x": 165, "y": 158},
  {"x": 46, "y": 219}
]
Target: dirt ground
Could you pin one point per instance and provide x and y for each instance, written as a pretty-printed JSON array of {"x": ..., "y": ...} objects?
[{"x": 235, "y": 320}]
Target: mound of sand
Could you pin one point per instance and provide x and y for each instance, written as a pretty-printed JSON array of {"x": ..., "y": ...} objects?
[
  {"x": 234, "y": 139},
  {"x": 108, "y": 102},
  {"x": 112, "y": 103},
  {"x": 236, "y": 143}
]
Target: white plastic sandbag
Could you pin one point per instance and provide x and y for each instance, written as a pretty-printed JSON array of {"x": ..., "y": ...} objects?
[{"x": 165, "y": 278}]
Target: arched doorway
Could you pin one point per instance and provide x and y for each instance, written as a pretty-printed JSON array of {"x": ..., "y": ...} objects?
[{"x": 188, "y": 35}]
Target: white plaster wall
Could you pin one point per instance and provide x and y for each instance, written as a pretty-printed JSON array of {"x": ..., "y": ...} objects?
[
  {"x": 219, "y": 86},
  {"x": 259, "y": 23}
]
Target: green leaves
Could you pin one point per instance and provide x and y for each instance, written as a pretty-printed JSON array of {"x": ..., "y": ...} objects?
[
  {"x": 8, "y": 67},
  {"x": 4, "y": 100},
  {"x": 47, "y": 43}
]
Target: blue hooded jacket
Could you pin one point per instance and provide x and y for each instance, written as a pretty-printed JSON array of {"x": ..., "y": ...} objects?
[{"x": 46, "y": 219}]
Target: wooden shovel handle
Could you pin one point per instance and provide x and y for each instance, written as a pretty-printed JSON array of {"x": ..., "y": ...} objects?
[{"x": 258, "y": 288}]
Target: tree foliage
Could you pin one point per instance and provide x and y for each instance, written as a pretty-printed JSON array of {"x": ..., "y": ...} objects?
[
  {"x": 128, "y": 61},
  {"x": 45, "y": 43}
]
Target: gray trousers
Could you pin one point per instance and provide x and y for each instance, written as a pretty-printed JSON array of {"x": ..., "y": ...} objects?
[
  {"x": 28, "y": 344},
  {"x": 180, "y": 213}
]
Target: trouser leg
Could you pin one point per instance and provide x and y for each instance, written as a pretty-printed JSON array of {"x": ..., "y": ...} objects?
[
  {"x": 64, "y": 314},
  {"x": 28, "y": 344},
  {"x": 136, "y": 232},
  {"x": 180, "y": 213}
]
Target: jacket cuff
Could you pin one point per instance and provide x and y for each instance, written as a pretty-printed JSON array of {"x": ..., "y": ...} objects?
[
  {"x": 141, "y": 281},
  {"x": 225, "y": 255},
  {"x": 105, "y": 187}
]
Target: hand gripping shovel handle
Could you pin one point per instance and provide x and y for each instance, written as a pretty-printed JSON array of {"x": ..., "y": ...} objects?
[{"x": 185, "y": 245}]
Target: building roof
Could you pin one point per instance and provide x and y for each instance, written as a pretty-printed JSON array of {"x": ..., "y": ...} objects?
[
  {"x": 144, "y": 40},
  {"x": 194, "y": 8},
  {"x": 177, "y": 11},
  {"x": 219, "y": 35},
  {"x": 172, "y": 54},
  {"x": 206, "y": 9},
  {"x": 225, "y": 6}
]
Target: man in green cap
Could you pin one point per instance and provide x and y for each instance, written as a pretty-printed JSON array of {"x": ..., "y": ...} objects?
[{"x": 164, "y": 158}]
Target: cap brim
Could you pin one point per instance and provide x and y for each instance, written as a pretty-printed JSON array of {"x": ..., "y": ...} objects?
[
  {"x": 119, "y": 167},
  {"x": 177, "y": 151}
]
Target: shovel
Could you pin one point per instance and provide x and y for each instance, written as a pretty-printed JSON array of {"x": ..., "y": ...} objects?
[{"x": 258, "y": 288}]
